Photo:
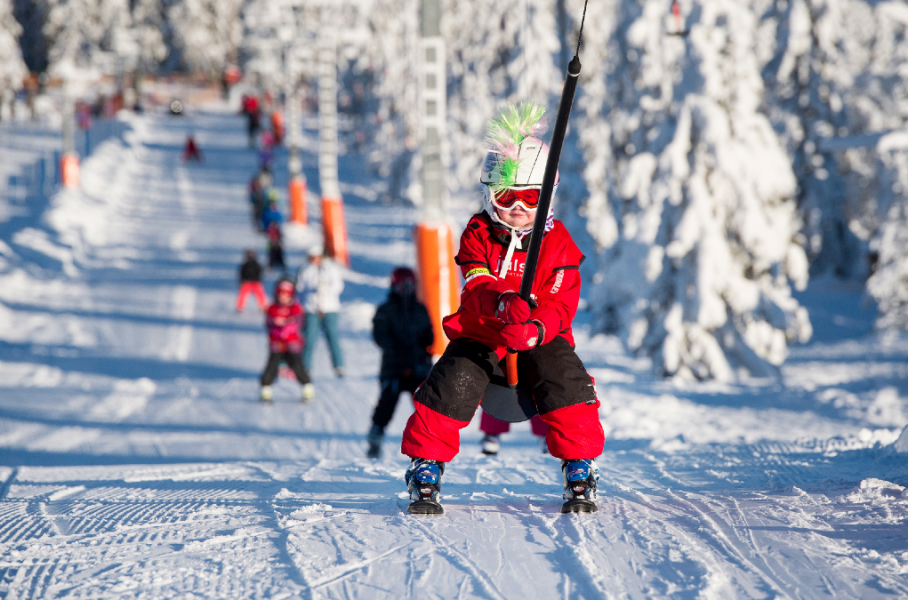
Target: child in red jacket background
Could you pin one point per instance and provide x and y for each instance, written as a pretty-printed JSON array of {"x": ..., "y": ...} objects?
[
  {"x": 493, "y": 318},
  {"x": 283, "y": 320}
]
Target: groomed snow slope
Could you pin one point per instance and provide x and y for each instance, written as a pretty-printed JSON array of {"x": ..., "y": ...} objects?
[{"x": 137, "y": 462}]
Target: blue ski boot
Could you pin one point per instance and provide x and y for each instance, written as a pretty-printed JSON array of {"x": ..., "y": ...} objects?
[
  {"x": 580, "y": 478},
  {"x": 423, "y": 479}
]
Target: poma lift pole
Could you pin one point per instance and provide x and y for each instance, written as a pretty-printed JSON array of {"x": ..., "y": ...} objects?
[{"x": 439, "y": 284}]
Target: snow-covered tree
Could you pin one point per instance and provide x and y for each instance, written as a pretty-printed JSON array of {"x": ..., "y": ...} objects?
[
  {"x": 276, "y": 36},
  {"x": 392, "y": 33},
  {"x": 593, "y": 129},
  {"x": 889, "y": 283},
  {"x": 499, "y": 52},
  {"x": 12, "y": 67},
  {"x": 834, "y": 71},
  {"x": 205, "y": 34},
  {"x": 88, "y": 38},
  {"x": 150, "y": 30},
  {"x": 699, "y": 277}
]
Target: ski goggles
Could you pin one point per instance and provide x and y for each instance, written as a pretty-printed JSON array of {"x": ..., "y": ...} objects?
[{"x": 507, "y": 199}]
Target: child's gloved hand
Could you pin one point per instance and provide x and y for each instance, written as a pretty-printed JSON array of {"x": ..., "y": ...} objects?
[
  {"x": 522, "y": 336},
  {"x": 512, "y": 308}
]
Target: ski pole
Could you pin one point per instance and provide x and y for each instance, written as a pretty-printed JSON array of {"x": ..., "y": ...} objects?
[{"x": 545, "y": 194}]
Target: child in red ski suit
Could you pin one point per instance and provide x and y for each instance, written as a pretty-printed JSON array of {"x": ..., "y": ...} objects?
[
  {"x": 493, "y": 318},
  {"x": 283, "y": 320}
]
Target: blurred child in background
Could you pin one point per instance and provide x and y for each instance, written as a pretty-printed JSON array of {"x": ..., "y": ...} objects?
[
  {"x": 283, "y": 321},
  {"x": 320, "y": 284},
  {"x": 402, "y": 329},
  {"x": 251, "y": 282},
  {"x": 493, "y": 428}
]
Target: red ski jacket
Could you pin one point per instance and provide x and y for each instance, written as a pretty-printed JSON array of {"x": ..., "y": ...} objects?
[
  {"x": 283, "y": 322},
  {"x": 556, "y": 286}
]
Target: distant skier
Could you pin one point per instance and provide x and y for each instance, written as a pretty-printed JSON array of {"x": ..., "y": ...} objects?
[
  {"x": 320, "y": 284},
  {"x": 266, "y": 148},
  {"x": 272, "y": 213},
  {"x": 492, "y": 429},
  {"x": 251, "y": 282},
  {"x": 275, "y": 247},
  {"x": 493, "y": 318},
  {"x": 283, "y": 321},
  {"x": 253, "y": 112},
  {"x": 277, "y": 126},
  {"x": 191, "y": 150},
  {"x": 402, "y": 329},
  {"x": 261, "y": 194}
]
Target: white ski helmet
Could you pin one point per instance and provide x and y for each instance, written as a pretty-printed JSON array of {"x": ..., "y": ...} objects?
[{"x": 516, "y": 159}]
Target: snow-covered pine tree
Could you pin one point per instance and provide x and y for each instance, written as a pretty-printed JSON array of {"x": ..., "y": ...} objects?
[
  {"x": 499, "y": 52},
  {"x": 806, "y": 74},
  {"x": 832, "y": 71},
  {"x": 205, "y": 34},
  {"x": 391, "y": 46},
  {"x": 12, "y": 67},
  {"x": 699, "y": 277},
  {"x": 889, "y": 283},
  {"x": 591, "y": 126},
  {"x": 150, "y": 33},
  {"x": 275, "y": 32},
  {"x": 87, "y": 38}
]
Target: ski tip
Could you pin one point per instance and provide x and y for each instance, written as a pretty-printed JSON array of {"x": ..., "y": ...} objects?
[
  {"x": 425, "y": 507},
  {"x": 578, "y": 505}
]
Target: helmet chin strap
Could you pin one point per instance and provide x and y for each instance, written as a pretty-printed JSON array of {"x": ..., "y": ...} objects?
[{"x": 506, "y": 263}]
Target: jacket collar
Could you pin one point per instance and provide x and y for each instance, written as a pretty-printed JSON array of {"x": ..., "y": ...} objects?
[{"x": 502, "y": 235}]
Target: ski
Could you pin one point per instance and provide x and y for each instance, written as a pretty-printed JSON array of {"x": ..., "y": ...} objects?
[
  {"x": 425, "y": 506},
  {"x": 578, "y": 505}
]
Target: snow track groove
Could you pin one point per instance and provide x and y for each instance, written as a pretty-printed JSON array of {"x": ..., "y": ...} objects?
[
  {"x": 459, "y": 559},
  {"x": 728, "y": 542},
  {"x": 568, "y": 536}
]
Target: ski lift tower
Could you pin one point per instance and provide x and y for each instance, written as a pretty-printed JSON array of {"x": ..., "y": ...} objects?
[
  {"x": 69, "y": 161},
  {"x": 438, "y": 280},
  {"x": 293, "y": 98},
  {"x": 334, "y": 225}
]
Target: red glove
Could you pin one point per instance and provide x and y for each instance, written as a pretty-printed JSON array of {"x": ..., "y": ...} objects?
[
  {"x": 522, "y": 336},
  {"x": 512, "y": 308}
]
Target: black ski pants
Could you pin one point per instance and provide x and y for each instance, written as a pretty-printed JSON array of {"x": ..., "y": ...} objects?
[
  {"x": 552, "y": 371},
  {"x": 294, "y": 360},
  {"x": 391, "y": 389},
  {"x": 562, "y": 390}
]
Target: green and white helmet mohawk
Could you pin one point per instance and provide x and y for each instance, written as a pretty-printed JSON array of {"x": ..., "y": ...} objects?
[{"x": 516, "y": 158}]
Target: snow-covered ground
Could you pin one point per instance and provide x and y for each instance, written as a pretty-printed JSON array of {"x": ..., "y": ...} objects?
[{"x": 135, "y": 460}]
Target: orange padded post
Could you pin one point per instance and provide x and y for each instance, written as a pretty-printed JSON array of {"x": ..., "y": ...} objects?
[
  {"x": 69, "y": 170},
  {"x": 334, "y": 227},
  {"x": 298, "y": 212},
  {"x": 439, "y": 283}
]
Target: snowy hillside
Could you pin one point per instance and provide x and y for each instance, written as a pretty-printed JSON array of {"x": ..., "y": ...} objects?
[{"x": 136, "y": 461}]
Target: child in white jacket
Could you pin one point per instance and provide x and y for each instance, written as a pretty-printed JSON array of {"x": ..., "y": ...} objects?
[{"x": 320, "y": 284}]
